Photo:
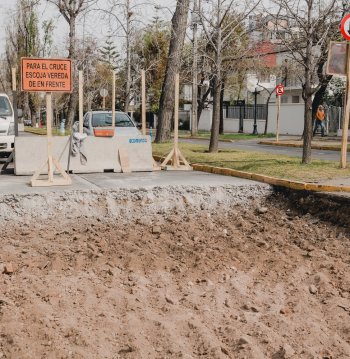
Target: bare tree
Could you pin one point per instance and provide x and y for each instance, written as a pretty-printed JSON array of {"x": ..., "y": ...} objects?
[
  {"x": 308, "y": 26},
  {"x": 23, "y": 40},
  {"x": 71, "y": 10},
  {"x": 122, "y": 17},
  {"x": 222, "y": 21},
  {"x": 166, "y": 106}
]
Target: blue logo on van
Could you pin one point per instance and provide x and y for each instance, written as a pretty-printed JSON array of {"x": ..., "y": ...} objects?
[{"x": 137, "y": 140}]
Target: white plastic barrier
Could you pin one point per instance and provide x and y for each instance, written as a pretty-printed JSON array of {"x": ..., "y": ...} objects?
[{"x": 102, "y": 154}]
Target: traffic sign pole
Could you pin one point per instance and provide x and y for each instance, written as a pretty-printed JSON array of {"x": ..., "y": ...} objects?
[
  {"x": 344, "y": 143},
  {"x": 345, "y": 30},
  {"x": 278, "y": 119},
  {"x": 279, "y": 93}
]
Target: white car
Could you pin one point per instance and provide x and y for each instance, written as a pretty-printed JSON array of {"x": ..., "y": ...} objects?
[
  {"x": 7, "y": 126},
  {"x": 124, "y": 125}
]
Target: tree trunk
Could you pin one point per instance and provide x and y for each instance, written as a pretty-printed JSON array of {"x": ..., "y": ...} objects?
[
  {"x": 73, "y": 97},
  {"x": 128, "y": 59},
  {"x": 307, "y": 90},
  {"x": 166, "y": 105},
  {"x": 214, "y": 138},
  {"x": 202, "y": 99},
  {"x": 307, "y": 129},
  {"x": 221, "y": 127},
  {"x": 267, "y": 113}
]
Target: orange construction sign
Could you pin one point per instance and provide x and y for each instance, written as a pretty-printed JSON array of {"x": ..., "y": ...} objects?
[{"x": 46, "y": 75}]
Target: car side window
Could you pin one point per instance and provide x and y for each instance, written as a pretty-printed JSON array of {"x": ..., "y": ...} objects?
[{"x": 86, "y": 121}]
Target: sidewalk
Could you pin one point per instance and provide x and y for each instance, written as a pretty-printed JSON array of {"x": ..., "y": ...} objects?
[{"x": 318, "y": 143}]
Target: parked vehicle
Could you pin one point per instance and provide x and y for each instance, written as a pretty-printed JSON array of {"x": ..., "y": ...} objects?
[
  {"x": 27, "y": 123},
  {"x": 125, "y": 126},
  {"x": 7, "y": 126}
]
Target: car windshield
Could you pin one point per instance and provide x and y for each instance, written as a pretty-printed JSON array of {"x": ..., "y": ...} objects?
[
  {"x": 105, "y": 120},
  {"x": 5, "y": 107}
]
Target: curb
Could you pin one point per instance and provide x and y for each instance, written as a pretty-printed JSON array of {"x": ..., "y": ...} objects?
[
  {"x": 295, "y": 185},
  {"x": 35, "y": 133},
  {"x": 204, "y": 139},
  {"x": 295, "y": 145}
]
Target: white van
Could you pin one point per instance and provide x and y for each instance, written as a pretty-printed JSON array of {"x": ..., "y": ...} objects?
[{"x": 7, "y": 126}]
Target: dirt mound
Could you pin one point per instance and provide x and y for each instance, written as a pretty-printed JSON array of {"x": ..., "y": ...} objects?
[{"x": 244, "y": 281}]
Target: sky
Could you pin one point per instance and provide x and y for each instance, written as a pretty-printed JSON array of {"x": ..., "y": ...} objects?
[{"x": 93, "y": 26}]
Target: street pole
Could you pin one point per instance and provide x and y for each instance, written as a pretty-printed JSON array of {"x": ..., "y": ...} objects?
[
  {"x": 278, "y": 118},
  {"x": 344, "y": 143},
  {"x": 14, "y": 100},
  {"x": 255, "y": 129},
  {"x": 143, "y": 95},
  {"x": 81, "y": 101},
  {"x": 113, "y": 101},
  {"x": 194, "y": 127}
]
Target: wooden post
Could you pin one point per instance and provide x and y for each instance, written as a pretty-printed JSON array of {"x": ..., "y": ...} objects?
[
  {"x": 51, "y": 161},
  {"x": 344, "y": 143},
  {"x": 176, "y": 111},
  {"x": 278, "y": 118},
  {"x": 81, "y": 101},
  {"x": 175, "y": 154},
  {"x": 113, "y": 100},
  {"x": 14, "y": 86},
  {"x": 49, "y": 133},
  {"x": 14, "y": 99},
  {"x": 143, "y": 85}
]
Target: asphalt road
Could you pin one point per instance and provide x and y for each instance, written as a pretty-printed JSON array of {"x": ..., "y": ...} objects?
[{"x": 252, "y": 145}]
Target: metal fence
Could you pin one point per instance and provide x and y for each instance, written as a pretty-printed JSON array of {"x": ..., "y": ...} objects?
[
  {"x": 246, "y": 112},
  {"x": 184, "y": 120},
  {"x": 335, "y": 118}
]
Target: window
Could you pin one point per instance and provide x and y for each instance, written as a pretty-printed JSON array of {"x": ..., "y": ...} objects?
[
  {"x": 284, "y": 99},
  {"x": 105, "y": 120},
  {"x": 5, "y": 107},
  {"x": 86, "y": 120},
  {"x": 295, "y": 99}
]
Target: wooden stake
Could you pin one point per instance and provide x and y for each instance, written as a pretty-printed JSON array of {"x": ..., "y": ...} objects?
[
  {"x": 143, "y": 85},
  {"x": 344, "y": 143},
  {"x": 175, "y": 154},
  {"x": 113, "y": 100},
  {"x": 81, "y": 102},
  {"x": 14, "y": 100},
  {"x": 51, "y": 161},
  {"x": 14, "y": 82},
  {"x": 278, "y": 118}
]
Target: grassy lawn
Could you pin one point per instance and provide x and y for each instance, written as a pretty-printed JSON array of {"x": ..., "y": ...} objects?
[
  {"x": 260, "y": 163},
  {"x": 227, "y": 136},
  {"x": 43, "y": 131}
]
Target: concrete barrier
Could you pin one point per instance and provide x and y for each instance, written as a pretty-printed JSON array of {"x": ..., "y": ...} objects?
[{"x": 102, "y": 154}]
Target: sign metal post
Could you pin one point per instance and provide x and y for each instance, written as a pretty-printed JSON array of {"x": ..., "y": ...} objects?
[{"x": 279, "y": 93}]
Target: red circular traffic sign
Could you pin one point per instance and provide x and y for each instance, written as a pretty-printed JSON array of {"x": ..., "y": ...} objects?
[
  {"x": 280, "y": 90},
  {"x": 345, "y": 27}
]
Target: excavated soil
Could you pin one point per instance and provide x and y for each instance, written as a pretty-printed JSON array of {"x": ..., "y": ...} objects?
[{"x": 248, "y": 278}]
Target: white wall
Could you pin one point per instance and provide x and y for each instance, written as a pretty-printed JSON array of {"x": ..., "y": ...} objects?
[
  {"x": 291, "y": 119},
  {"x": 205, "y": 120}
]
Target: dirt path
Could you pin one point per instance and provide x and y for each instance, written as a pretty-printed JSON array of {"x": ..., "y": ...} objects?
[{"x": 248, "y": 281}]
